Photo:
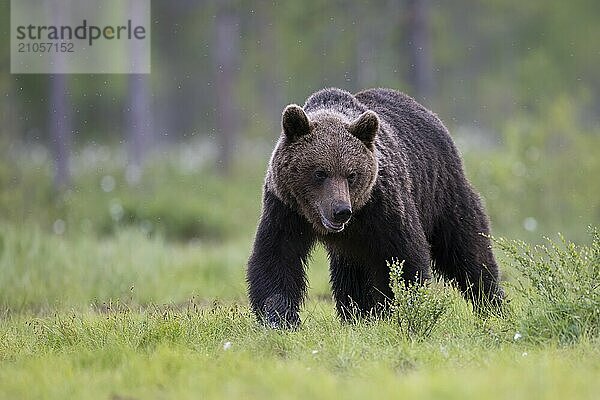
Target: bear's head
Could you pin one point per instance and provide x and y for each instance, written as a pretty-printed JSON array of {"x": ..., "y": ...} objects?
[{"x": 325, "y": 164}]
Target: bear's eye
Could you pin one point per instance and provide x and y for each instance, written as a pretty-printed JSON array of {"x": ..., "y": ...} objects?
[
  {"x": 351, "y": 177},
  {"x": 320, "y": 175}
]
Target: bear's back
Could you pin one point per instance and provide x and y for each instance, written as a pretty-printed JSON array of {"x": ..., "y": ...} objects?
[
  {"x": 432, "y": 161},
  {"x": 334, "y": 99},
  {"x": 422, "y": 135},
  {"x": 402, "y": 112}
]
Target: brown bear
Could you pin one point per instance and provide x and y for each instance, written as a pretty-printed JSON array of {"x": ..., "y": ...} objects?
[{"x": 374, "y": 177}]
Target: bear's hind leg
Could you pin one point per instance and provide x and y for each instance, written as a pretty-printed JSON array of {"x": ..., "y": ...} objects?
[{"x": 462, "y": 252}]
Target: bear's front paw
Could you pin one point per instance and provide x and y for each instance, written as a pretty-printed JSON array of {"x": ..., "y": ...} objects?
[
  {"x": 286, "y": 321},
  {"x": 279, "y": 315}
]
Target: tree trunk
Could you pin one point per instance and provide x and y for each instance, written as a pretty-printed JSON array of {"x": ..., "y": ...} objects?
[
  {"x": 60, "y": 129},
  {"x": 139, "y": 118},
  {"x": 419, "y": 42},
  {"x": 366, "y": 73},
  {"x": 139, "y": 129},
  {"x": 59, "y": 120},
  {"x": 269, "y": 76},
  {"x": 227, "y": 38}
]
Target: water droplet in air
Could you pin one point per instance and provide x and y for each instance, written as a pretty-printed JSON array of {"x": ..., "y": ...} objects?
[
  {"x": 59, "y": 227},
  {"x": 530, "y": 224},
  {"x": 107, "y": 183}
]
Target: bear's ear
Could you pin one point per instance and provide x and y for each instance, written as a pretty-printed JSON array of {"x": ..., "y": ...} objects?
[
  {"x": 294, "y": 122},
  {"x": 365, "y": 127}
]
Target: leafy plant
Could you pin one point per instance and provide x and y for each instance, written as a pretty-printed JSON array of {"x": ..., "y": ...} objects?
[
  {"x": 560, "y": 289},
  {"x": 417, "y": 308}
]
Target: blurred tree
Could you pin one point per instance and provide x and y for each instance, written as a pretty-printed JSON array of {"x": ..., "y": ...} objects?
[
  {"x": 419, "y": 42},
  {"x": 477, "y": 63},
  {"x": 60, "y": 128},
  {"x": 9, "y": 103},
  {"x": 140, "y": 127},
  {"x": 226, "y": 58},
  {"x": 366, "y": 42},
  {"x": 181, "y": 63},
  {"x": 269, "y": 67}
]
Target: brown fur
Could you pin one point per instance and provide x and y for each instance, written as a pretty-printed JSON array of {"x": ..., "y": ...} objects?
[
  {"x": 332, "y": 144},
  {"x": 374, "y": 177}
]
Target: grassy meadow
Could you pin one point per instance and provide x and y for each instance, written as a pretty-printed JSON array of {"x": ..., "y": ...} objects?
[{"x": 114, "y": 290}]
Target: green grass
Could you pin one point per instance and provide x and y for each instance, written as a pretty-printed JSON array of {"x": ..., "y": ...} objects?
[
  {"x": 46, "y": 271},
  {"x": 158, "y": 353},
  {"x": 132, "y": 317},
  {"x": 141, "y": 293},
  {"x": 183, "y": 356}
]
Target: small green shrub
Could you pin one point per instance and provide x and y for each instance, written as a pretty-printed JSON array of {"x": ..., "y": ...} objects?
[
  {"x": 417, "y": 308},
  {"x": 559, "y": 289},
  {"x": 169, "y": 216}
]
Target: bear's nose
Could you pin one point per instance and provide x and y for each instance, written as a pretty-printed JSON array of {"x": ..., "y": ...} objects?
[{"x": 342, "y": 213}]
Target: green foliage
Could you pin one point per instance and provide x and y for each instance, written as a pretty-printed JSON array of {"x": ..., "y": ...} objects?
[
  {"x": 542, "y": 177},
  {"x": 558, "y": 288},
  {"x": 491, "y": 59},
  {"x": 129, "y": 315},
  {"x": 417, "y": 308},
  {"x": 178, "y": 197}
]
